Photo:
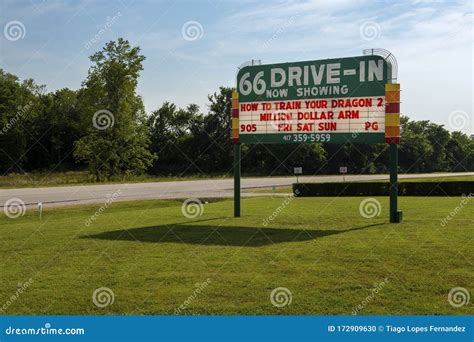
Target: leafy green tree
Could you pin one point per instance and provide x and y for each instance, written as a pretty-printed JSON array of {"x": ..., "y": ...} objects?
[
  {"x": 116, "y": 140},
  {"x": 19, "y": 105},
  {"x": 460, "y": 152},
  {"x": 171, "y": 131},
  {"x": 415, "y": 147},
  {"x": 439, "y": 138},
  {"x": 217, "y": 130},
  {"x": 55, "y": 128}
]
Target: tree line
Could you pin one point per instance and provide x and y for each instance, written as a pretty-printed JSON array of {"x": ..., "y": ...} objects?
[{"x": 103, "y": 127}]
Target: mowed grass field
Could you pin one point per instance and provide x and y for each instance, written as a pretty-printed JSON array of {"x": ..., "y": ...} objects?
[{"x": 322, "y": 250}]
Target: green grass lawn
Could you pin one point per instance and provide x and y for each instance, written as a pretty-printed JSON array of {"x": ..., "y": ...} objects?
[{"x": 322, "y": 250}]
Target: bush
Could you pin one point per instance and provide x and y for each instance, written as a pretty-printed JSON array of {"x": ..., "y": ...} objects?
[{"x": 448, "y": 188}]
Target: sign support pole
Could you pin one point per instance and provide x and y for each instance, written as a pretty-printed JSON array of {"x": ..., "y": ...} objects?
[
  {"x": 395, "y": 215},
  {"x": 237, "y": 160},
  {"x": 392, "y": 136}
]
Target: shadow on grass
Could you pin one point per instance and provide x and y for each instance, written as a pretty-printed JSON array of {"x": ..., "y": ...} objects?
[{"x": 212, "y": 235}]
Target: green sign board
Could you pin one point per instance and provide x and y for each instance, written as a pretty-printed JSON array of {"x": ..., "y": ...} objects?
[
  {"x": 331, "y": 100},
  {"x": 341, "y": 100}
]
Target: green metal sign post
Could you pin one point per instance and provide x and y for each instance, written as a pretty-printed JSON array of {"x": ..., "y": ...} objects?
[
  {"x": 237, "y": 160},
  {"x": 395, "y": 215},
  {"x": 340, "y": 100}
]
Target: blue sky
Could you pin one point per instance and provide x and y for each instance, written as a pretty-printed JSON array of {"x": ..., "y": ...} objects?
[{"x": 193, "y": 47}]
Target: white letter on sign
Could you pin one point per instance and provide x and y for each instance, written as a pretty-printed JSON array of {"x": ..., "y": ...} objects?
[
  {"x": 317, "y": 76},
  {"x": 333, "y": 73},
  {"x": 376, "y": 70},
  {"x": 273, "y": 81},
  {"x": 294, "y": 75},
  {"x": 362, "y": 71}
]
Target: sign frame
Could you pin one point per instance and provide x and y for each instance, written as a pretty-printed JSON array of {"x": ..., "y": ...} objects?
[{"x": 391, "y": 134}]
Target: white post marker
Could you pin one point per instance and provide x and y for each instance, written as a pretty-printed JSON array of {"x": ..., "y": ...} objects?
[
  {"x": 297, "y": 171},
  {"x": 343, "y": 170},
  {"x": 40, "y": 209}
]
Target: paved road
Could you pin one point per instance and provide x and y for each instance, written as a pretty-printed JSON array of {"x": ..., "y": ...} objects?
[{"x": 70, "y": 195}]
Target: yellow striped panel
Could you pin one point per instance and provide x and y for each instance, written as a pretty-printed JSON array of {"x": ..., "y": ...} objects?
[
  {"x": 392, "y": 131},
  {"x": 235, "y": 123},
  {"x": 392, "y": 96},
  {"x": 392, "y": 119},
  {"x": 392, "y": 86}
]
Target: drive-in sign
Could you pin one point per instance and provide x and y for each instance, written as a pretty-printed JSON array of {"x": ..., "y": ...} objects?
[
  {"x": 332, "y": 100},
  {"x": 342, "y": 100}
]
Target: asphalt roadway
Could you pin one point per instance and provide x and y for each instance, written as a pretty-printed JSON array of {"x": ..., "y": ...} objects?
[{"x": 73, "y": 195}]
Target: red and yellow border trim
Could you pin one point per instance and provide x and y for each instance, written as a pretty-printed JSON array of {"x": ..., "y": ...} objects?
[
  {"x": 235, "y": 117},
  {"x": 392, "y": 113}
]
